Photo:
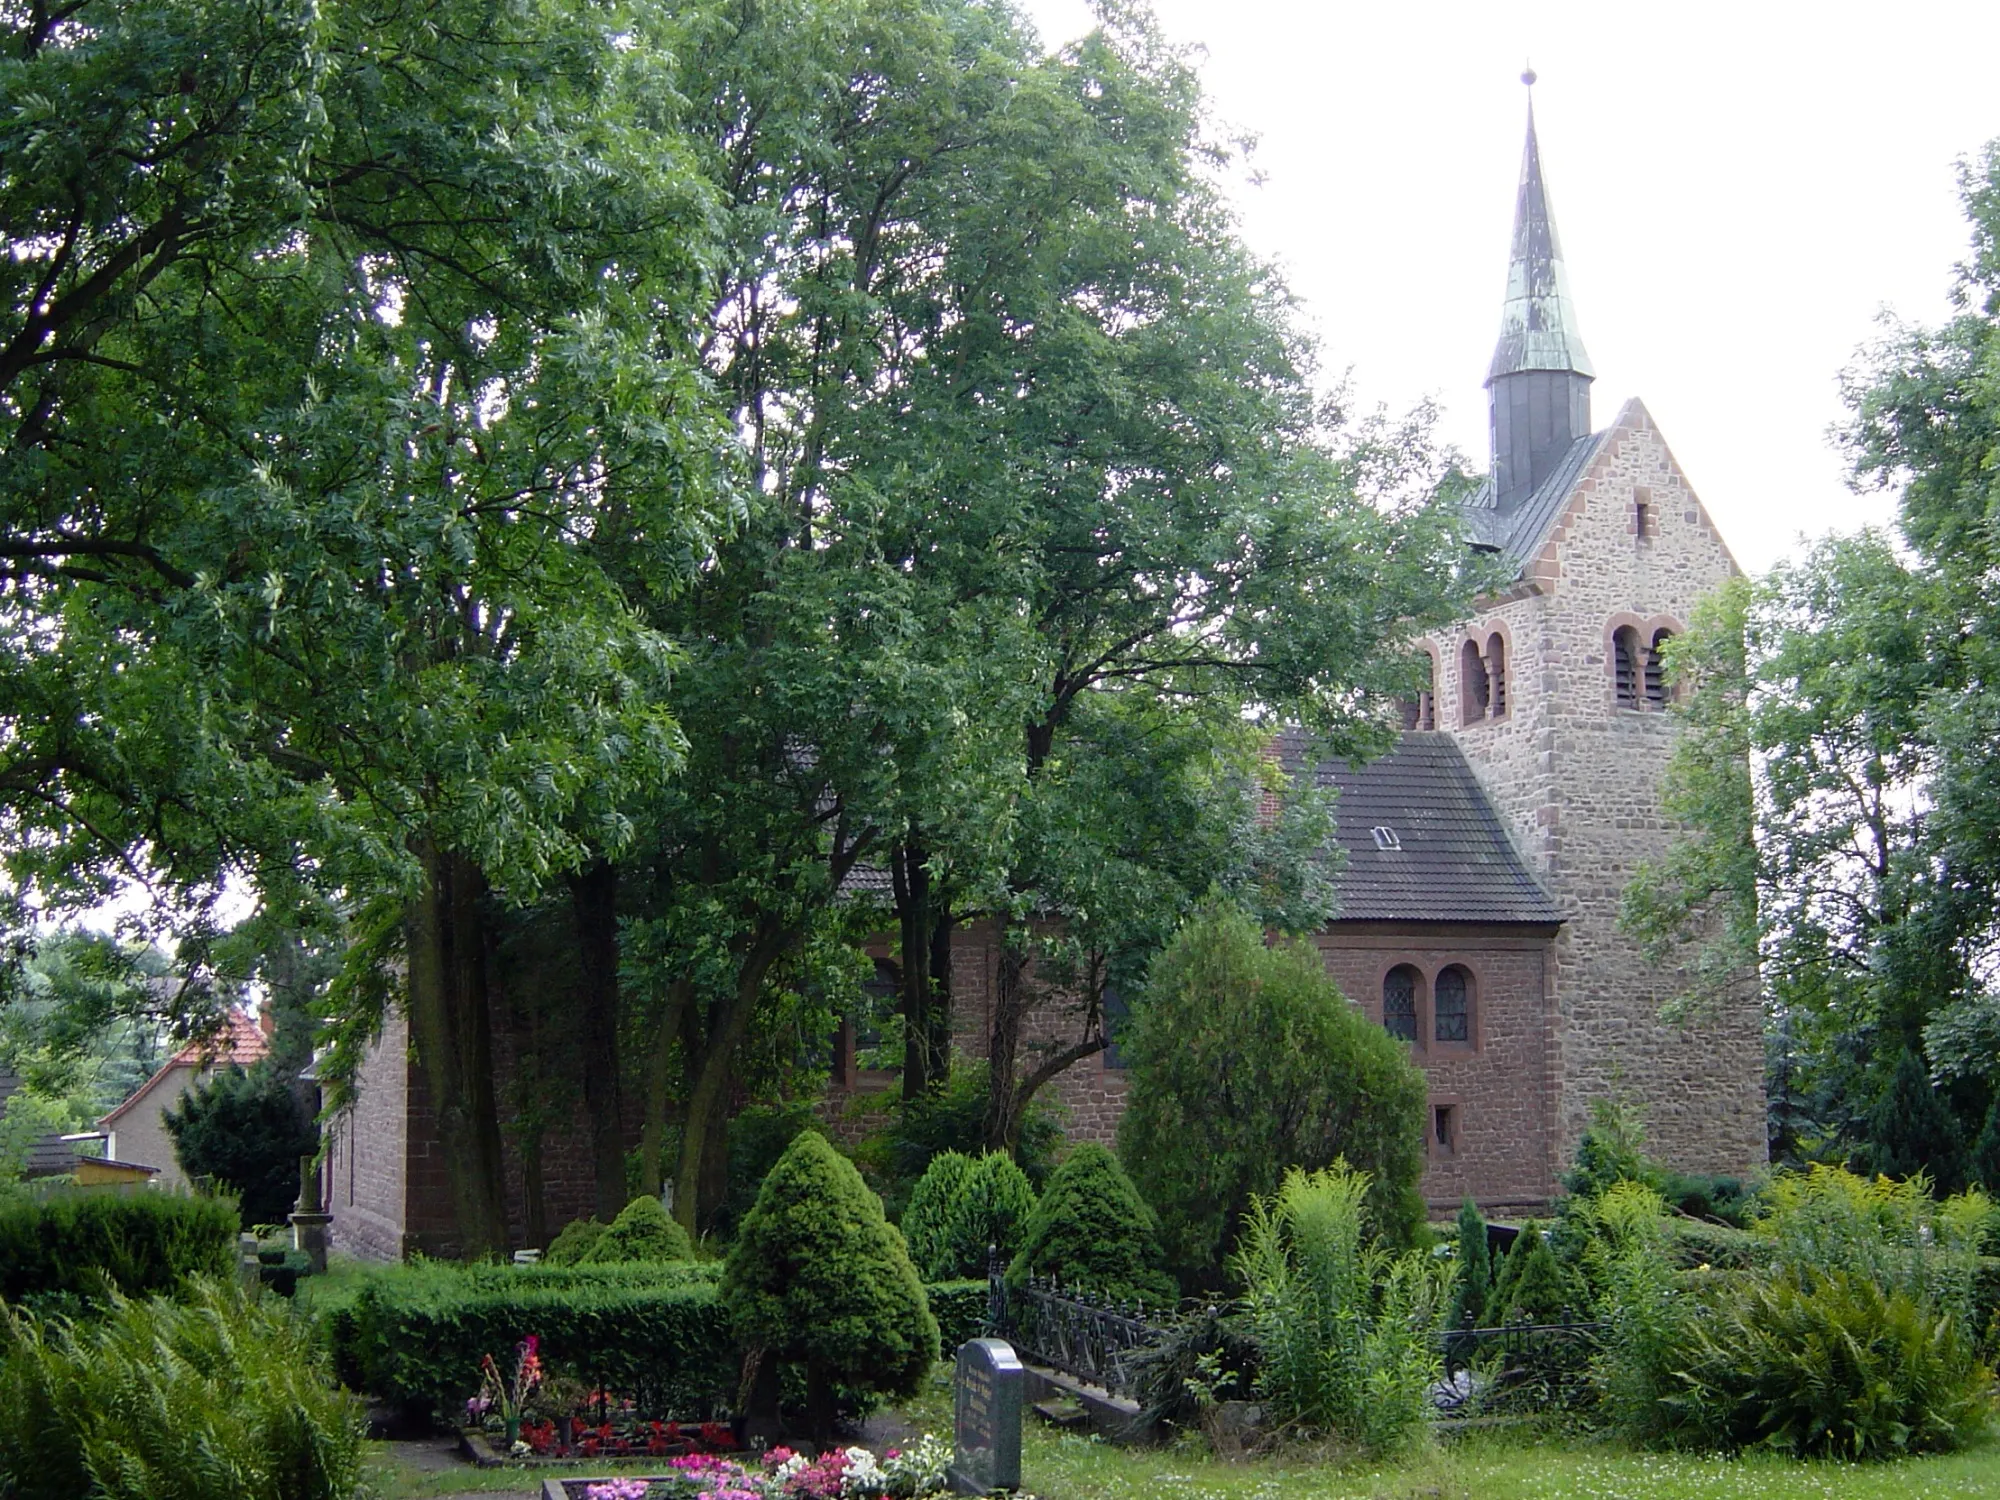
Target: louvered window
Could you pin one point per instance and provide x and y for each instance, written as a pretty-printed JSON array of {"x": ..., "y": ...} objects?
[
  {"x": 1656, "y": 670},
  {"x": 1399, "y": 1002},
  {"x": 1454, "y": 1010},
  {"x": 1625, "y": 666}
]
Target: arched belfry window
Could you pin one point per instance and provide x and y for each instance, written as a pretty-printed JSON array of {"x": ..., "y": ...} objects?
[
  {"x": 1656, "y": 669},
  {"x": 1452, "y": 1003},
  {"x": 1399, "y": 1002},
  {"x": 1473, "y": 687},
  {"x": 1496, "y": 674},
  {"x": 1420, "y": 712},
  {"x": 1625, "y": 668}
]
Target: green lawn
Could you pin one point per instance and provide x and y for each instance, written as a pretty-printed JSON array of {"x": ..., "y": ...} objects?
[{"x": 1491, "y": 1466}]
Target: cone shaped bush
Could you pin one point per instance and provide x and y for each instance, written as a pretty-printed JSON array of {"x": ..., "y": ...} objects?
[
  {"x": 927, "y": 1221},
  {"x": 578, "y": 1238},
  {"x": 643, "y": 1230},
  {"x": 1094, "y": 1233},
  {"x": 819, "y": 1277}
]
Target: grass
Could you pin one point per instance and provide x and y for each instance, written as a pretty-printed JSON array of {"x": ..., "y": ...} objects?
[{"x": 1491, "y": 1466}]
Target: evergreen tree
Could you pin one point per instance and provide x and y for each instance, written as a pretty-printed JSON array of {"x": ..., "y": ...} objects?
[
  {"x": 1912, "y": 1131},
  {"x": 1475, "y": 1268},
  {"x": 1246, "y": 1060},
  {"x": 1533, "y": 1286},
  {"x": 927, "y": 1221},
  {"x": 817, "y": 1276},
  {"x": 244, "y": 1131},
  {"x": 1093, "y": 1233},
  {"x": 993, "y": 1211}
]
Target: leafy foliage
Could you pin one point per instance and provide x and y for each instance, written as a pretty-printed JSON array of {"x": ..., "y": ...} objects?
[
  {"x": 952, "y": 1117},
  {"x": 1092, "y": 1232},
  {"x": 819, "y": 1277},
  {"x": 243, "y": 1129},
  {"x": 1347, "y": 1332},
  {"x": 643, "y": 1231},
  {"x": 1245, "y": 1061},
  {"x": 1853, "y": 1337},
  {"x": 68, "y": 1242},
  {"x": 209, "y": 1397}
]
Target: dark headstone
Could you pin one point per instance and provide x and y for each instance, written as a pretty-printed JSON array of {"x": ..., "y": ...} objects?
[{"x": 988, "y": 1394}]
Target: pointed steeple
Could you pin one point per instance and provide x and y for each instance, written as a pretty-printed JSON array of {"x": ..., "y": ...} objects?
[{"x": 1539, "y": 380}]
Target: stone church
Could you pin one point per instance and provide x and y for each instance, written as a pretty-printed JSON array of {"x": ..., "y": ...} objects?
[{"x": 1485, "y": 857}]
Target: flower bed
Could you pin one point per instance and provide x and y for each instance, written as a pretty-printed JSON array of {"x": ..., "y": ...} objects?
[{"x": 914, "y": 1470}]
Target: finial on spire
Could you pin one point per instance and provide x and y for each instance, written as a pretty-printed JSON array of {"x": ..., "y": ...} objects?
[{"x": 1528, "y": 75}]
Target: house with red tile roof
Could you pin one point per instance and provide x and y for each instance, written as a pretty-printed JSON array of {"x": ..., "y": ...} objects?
[{"x": 136, "y": 1130}]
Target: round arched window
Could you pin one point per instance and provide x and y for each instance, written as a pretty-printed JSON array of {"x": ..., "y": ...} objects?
[
  {"x": 1399, "y": 1002},
  {"x": 1453, "y": 1005}
]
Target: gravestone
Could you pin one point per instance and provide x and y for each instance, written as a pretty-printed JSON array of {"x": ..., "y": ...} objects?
[{"x": 988, "y": 1394}]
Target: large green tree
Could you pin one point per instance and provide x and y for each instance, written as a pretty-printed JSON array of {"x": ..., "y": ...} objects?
[
  {"x": 1846, "y": 708},
  {"x": 331, "y": 340}
]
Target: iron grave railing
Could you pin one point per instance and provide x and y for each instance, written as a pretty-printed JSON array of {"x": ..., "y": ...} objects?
[
  {"x": 1518, "y": 1367},
  {"x": 1097, "y": 1342}
]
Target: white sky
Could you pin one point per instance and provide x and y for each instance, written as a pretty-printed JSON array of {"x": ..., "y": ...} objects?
[{"x": 1740, "y": 189}]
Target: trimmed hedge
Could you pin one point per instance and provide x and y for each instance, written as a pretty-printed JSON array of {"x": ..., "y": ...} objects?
[
  {"x": 145, "y": 1242},
  {"x": 1695, "y": 1242},
  {"x": 414, "y": 1334},
  {"x": 960, "y": 1310}
]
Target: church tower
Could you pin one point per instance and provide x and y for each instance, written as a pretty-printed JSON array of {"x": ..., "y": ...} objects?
[{"x": 1555, "y": 694}]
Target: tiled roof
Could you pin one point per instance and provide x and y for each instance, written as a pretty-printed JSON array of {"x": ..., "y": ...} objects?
[
  {"x": 1520, "y": 533},
  {"x": 1448, "y": 857},
  {"x": 236, "y": 1039}
]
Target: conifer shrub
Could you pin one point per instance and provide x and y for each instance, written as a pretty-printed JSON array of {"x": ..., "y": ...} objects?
[
  {"x": 245, "y": 1130},
  {"x": 1245, "y": 1060},
  {"x": 961, "y": 1206},
  {"x": 202, "y": 1397},
  {"x": 643, "y": 1231},
  {"x": 576, "y": 1240},
  {"x": 1475, "y": 1268},
  {"x": 1093, "y": 1233},
  {"x": 66, "y": 1243},
  {"x": 927, "y": 1220},
  {"x": 817, "y": 1277},
  {"x": 1533, "y": 1286}
]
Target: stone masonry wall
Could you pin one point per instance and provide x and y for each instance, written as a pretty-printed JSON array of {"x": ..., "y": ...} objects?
[
  {"x": 1577, "y": 778},
  {"x": 364, "y": 1179},
  {"x": 1499, "y": 1084}
]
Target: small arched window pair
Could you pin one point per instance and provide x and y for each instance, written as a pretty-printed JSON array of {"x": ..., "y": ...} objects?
[
  {"x": 1483, "y": 680},
  {"x": 1638, "y": 668},
  {"x": 1451, "y": 1003}
]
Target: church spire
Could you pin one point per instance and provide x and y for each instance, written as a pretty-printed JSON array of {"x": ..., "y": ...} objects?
[{"x": 1539, "y": 382}]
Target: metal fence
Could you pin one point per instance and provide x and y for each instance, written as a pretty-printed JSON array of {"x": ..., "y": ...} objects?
[
  {"x": 1095, "y": 1341},
  {"x": 1518, "y": 1367}
]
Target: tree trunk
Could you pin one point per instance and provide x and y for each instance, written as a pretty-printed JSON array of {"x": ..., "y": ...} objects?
[
  {"x": 452, "y": 1028},
  {"x": 659, "y": 1089},
  {"x": 710, "y": 1093},
  {"x": 594, "y": 899},
  {"x": 1010, "y": 1006},
  {"x": 937, "y": 1042}
]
